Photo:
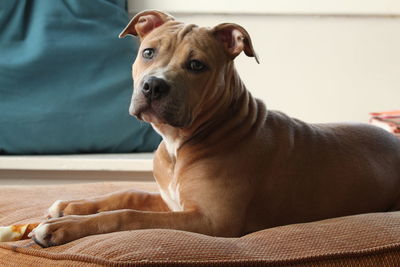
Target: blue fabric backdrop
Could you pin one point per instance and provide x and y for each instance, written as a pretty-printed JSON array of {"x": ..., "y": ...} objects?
[{"x": 65, "y": 79}]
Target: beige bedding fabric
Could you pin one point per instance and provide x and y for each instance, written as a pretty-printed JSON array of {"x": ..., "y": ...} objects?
[{"x": 367, "y": 240}]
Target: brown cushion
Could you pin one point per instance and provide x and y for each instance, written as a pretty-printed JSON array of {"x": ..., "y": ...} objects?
[{"x": 369, "y": 239}]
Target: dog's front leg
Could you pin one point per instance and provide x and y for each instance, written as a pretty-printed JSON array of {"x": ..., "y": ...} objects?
[
  {"x": 65, "y": 229},
  {"x": 130, "y": 199}
]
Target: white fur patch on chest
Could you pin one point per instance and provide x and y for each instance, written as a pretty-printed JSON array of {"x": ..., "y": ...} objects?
[
  {"x": 171, "y": 144},
  {"x": 171, "y": 196},
  {"x": 172, "y": 147}
]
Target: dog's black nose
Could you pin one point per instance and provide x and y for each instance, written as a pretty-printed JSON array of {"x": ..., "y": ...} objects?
[{"x": 155, "y": 88}]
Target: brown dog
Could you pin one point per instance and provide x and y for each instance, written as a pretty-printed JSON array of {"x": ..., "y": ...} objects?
[{"x": 227, "y": 166}]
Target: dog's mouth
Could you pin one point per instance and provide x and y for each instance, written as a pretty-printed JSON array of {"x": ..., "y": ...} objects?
[
  {"x": 145, "y": 112},
  {"x": 151, "y": 117},
  {"x": 157, "y": 114}
]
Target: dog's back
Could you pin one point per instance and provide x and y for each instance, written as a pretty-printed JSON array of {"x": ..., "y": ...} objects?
[{"x": 318, "y": 171}]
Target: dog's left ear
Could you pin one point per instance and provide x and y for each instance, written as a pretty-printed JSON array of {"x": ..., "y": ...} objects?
[
  {"x": 144, "y": 22},
  {"x": 235, "y": 40}
]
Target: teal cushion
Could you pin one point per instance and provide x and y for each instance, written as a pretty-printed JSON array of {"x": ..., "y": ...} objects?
[{"x": 65, "y": 79}]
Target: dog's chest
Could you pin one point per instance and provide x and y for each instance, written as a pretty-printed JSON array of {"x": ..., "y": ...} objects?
[
  {"x": 170, "y": 194},
  {"x": 164, "y": 168}
]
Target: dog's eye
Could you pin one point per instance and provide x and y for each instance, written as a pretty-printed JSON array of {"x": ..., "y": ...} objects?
[
  {"x": 196, "y": 65},
  {"x": 148, "y": 53}
]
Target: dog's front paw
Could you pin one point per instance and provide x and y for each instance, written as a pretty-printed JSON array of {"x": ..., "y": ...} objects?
[
  {"x": 56, "y": 209},
  {"x": 62, "y": 208},
  {"x": 59, "y": 231}
]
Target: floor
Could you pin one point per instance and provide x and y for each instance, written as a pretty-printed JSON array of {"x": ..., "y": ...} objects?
[{"x": 67, "y": 169}]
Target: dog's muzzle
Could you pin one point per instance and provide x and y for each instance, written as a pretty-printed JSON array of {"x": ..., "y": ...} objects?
[{"x": 155, "y": 88}]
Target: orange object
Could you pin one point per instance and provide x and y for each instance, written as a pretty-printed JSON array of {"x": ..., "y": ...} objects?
[
  {"x": 16, "y": 232},
  {"x": 395, "y": 113},
  {"x": 388, "y": 120}
]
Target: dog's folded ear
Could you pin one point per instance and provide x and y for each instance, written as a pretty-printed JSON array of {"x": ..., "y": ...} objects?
[
  {"x": 144, "y": 22},
  {"x": 235, "y": 40}
]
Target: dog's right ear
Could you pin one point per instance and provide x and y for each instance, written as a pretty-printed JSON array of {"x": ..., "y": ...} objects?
[{"x": 144, "y": 22}]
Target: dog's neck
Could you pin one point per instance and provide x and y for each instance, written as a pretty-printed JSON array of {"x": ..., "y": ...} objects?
[
  {"x": 171, "y": 136},
  {"x": 233, "y": 112}
]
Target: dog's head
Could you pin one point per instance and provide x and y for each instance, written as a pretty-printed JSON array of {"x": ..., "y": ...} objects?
[{"x": 180, "y": 68}]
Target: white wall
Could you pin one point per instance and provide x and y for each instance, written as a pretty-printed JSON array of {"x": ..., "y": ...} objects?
[{"x": 319, "y": 68}]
